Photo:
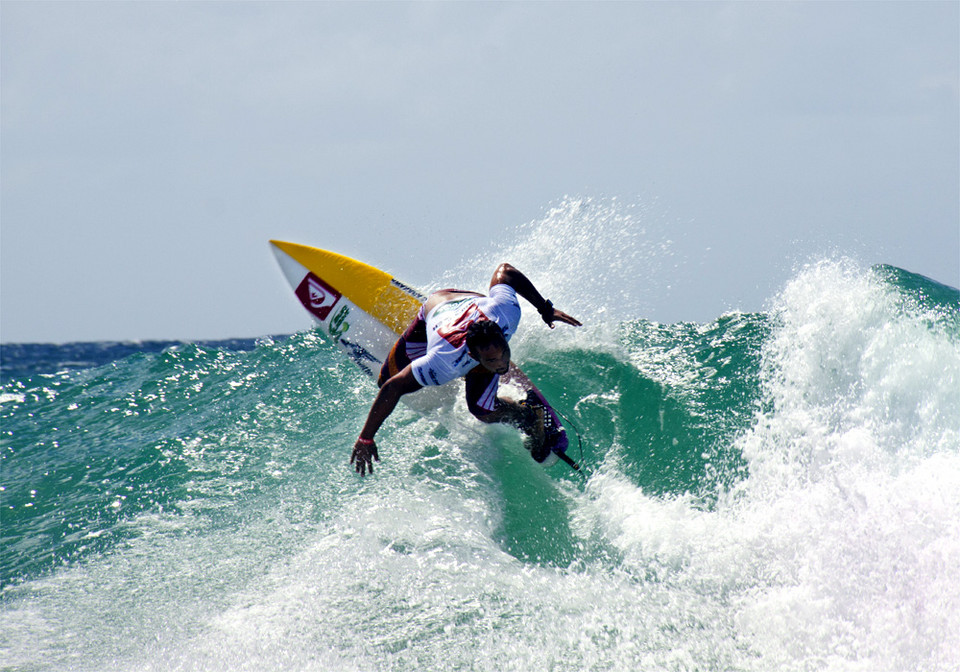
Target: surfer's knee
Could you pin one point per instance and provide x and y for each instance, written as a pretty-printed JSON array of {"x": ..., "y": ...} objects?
[
  {"x": 481, "y": 414},
  {"x": 507, "y": 412},
  {"x": 486, "y": 415}
]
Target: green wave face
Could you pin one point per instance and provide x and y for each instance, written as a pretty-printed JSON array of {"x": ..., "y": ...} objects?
[{"x": 756, "y": 490}]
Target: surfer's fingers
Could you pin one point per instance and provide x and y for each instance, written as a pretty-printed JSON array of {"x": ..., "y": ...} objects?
[
  {"x": 357, "y": 460},
  {"x": 363, "y": 457},
  {"x": 561, "y": 316}
]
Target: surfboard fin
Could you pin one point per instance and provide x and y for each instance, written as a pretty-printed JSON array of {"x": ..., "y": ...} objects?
[{"x": 566, "y": 458}]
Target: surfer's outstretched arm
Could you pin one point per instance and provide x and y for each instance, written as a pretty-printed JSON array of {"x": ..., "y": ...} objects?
[
  {"x": 508, "y": 275},
  {"x": 365, "y": 450}
]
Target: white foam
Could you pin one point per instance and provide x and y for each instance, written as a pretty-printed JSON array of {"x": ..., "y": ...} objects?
[
  {"x": 840, "y": 551},
  {"x": 589, "y": 256},
  {"x": 842, "y": 548}
]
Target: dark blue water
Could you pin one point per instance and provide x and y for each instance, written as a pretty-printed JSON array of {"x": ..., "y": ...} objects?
[{"x": 22, "y": 360}]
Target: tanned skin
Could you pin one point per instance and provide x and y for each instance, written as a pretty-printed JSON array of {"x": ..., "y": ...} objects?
[{"x": 493, "y": 358}]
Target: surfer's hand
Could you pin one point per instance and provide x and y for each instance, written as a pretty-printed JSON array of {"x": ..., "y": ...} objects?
[
  {"x": 364, "y": 452},
  {"x": 560, "y": 316}
]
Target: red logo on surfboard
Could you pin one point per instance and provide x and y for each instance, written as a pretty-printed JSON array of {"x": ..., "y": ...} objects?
[{"x": 317, "y": 296}]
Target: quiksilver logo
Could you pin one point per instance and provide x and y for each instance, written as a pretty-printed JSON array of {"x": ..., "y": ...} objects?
[{"x": 317, "y": 296}]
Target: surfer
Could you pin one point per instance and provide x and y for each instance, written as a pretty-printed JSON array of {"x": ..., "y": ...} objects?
[{"x": 460, "y": 334}]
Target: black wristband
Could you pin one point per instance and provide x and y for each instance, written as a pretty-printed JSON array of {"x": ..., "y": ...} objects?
[{"x": 547, "y": 312}]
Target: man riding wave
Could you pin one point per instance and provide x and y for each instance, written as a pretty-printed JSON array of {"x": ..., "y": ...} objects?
[{"x": 460, "y": 334}]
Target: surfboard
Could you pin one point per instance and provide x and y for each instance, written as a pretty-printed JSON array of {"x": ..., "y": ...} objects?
[{"x": 365, "y": 309}]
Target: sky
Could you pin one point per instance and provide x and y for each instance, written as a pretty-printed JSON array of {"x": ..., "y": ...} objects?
[{"x": 148, "y": 151}]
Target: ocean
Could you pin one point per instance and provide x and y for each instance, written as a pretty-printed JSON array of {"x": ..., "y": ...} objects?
[{"x": 767, "y": 491}]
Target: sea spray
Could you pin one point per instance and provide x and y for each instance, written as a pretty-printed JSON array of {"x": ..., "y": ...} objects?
[
  {"x": 598, "y": 259},
  {"x": 837, "y": 551},
  {"x": 855, "y": 469},
  {"x": 764, "y": 491}
]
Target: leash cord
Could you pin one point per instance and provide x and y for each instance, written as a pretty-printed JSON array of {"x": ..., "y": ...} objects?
[{"x": 576, "y": 431}]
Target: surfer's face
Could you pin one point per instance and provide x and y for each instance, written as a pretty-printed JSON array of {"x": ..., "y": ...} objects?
[{"x": 495, "y": 359}]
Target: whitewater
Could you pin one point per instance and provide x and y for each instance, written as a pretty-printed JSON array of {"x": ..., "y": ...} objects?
[{"x": 767, "y": 491}]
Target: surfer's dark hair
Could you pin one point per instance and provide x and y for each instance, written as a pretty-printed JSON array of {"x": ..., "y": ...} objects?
[{"x": 483, "y": 334}]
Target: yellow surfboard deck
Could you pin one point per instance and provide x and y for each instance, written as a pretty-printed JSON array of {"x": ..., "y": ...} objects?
[
  {"x": 361, "y": 307},
  {"x": 373, "y": 291}
]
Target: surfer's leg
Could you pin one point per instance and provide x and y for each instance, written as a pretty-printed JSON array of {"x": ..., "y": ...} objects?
[
  {"x": 483, "y": 402},
  {"x": 481, "y": 388},
  {"x": 486, "y": 406},
  {"x": 410, "y": 346}
]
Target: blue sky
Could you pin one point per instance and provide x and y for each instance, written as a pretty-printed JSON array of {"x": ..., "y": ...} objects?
[{"x": 149, "y": 150}]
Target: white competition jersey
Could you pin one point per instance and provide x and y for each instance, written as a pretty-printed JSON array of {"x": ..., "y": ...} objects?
[{"x": 447, "y": 357}]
